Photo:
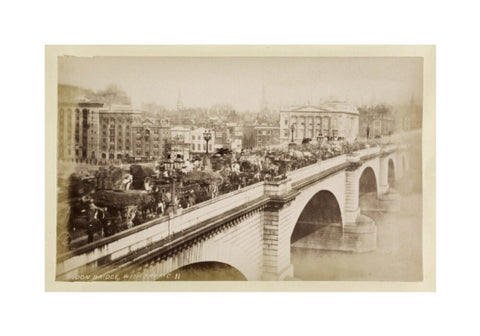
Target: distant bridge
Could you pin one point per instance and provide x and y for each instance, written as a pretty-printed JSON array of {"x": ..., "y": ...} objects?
[{"x": 249, "y": 229}]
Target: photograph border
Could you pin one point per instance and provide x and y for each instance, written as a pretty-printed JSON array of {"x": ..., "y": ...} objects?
[{"x": 427, "y": 52}]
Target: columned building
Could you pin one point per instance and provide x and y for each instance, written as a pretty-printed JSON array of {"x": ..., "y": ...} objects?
[{"x": 332, "y": 120}]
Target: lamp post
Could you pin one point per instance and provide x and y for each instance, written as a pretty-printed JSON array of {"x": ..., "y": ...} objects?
[
  {"x": 173, "y": 166},
  {"x": 292, "y": 128},
  {"x": 207, "y": 136},
  {"x": 319, "y": 138}
]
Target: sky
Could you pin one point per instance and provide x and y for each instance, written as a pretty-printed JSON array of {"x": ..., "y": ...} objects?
[{"x": 239, "y": 81}]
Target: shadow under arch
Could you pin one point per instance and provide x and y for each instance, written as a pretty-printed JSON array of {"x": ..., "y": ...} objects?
[
  {"x": 391, "y": 173},
  {"x": 321, "y": 211},
  {"x": 367, "y": 182},
  {"x": 205, "y": 271}
]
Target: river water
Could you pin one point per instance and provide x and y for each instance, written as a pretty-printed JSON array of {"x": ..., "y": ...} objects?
[{"x": 398, "y": 256}]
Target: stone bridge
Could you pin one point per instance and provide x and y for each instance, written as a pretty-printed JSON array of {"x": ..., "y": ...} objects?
[{"x": 250, "y": 229}]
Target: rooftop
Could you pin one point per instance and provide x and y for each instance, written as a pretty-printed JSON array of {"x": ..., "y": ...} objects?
[
  {"x": 116, "y": 108},
  {"x": 331, "y": 106}
]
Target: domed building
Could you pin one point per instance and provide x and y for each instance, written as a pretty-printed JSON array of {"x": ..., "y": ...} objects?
[{"x": 332, "y": 119}]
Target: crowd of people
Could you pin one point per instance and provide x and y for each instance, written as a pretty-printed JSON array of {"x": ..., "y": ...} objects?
[{"x": 198, "y": 180}]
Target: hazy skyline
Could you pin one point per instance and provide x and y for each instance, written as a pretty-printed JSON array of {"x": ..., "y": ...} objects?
[{"x": 238, "y": 81}]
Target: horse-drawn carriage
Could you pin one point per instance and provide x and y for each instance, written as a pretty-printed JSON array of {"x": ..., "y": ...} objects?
[{"x": 102, "y": 214}]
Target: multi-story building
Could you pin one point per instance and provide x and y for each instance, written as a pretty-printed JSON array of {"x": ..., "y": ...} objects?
[
  {"x": 78, "y": 131},
  {"x": 408, "y": 117},
  {"x": 90, "y": 131},
  {"x": 265, "y": 136},
  {"x": 378, "y": 120},
  {"x": 332, "y": 119},
  {"x": 228, "y": 135},
  {"x": 150, "y": 137},
  {"x": 198, "y": 142},
  {"x": 117, "y": 138},
  {"x": 234, "y": 137},
  {"x": 180, "y": 141}
]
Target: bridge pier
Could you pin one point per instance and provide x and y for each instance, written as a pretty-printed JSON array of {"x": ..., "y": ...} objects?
[
  {"x": 276, "y": 238},
  {"x": 352, "y": 209},
  {"x": 359, "y": 233},
  {"x": 383, "y": 178}
]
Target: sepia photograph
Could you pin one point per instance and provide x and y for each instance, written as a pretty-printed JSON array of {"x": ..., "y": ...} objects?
[{"x": 204, "y": 168}]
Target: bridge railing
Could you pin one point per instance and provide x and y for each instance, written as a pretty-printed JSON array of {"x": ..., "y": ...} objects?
[
  {"x": 216, "y": 206},
  {"x": 367, "y": 152},
  {"x": 308, "y": 171},
  {"x": 128, "y": 241}
]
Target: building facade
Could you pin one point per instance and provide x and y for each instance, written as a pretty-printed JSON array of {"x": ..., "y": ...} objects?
[
  {"x": 198, "y": 142},
  {"x": 408, "y": 117},
  {"x": 265, "y": 136},
  {"x": 78, "y": 131},
  {"x": 332, "y": 119},
  {"x": 150, "y": 137},
  {"x": 91, "y": 132},
  {"x": 180, "y": 141}
]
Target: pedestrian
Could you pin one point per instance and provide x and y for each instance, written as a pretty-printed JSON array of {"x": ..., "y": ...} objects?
[{"x": 91, "y": 218}]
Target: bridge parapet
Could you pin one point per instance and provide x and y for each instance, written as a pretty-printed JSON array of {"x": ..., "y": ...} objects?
[
  {"x": 308, "y": 171},
  {"x": 112, "y": 248},
  {"x": 278, "y": 188},
  {"x": 363, "y": 153},
  {"x": 214, "y": 207}
]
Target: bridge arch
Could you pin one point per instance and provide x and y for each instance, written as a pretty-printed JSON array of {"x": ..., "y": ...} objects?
[
  {"x": 368, "y": 181},
  {"x": 210, "y": 252},
  {"x": 335, "y": 185},
  {"x": 323, "y": 209},
  {"x": 205, "y": 271}
]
